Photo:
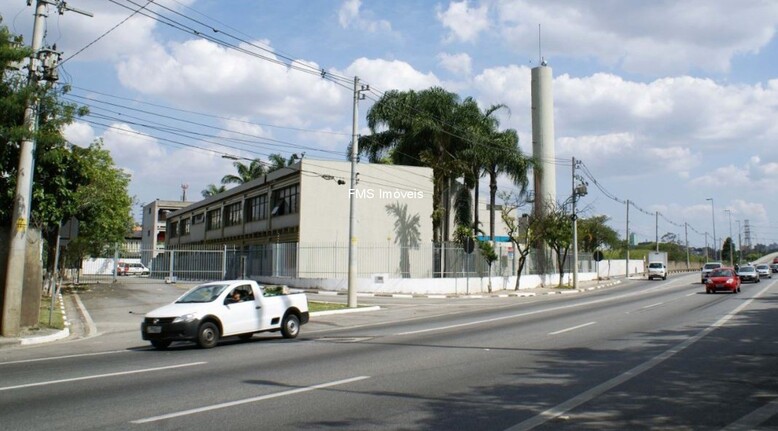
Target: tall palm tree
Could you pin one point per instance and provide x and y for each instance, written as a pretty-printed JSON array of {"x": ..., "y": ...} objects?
[
  {"x": 420, "y": 129},
  {"x": 508, "y": 160},
  {"x": 246, "y": 173},
  {"x": 494, "y": 153},
  {"x": 212, "y": 190}
]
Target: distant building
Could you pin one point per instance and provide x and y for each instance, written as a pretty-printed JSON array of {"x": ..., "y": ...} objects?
[{"x": 154, "y": 226}]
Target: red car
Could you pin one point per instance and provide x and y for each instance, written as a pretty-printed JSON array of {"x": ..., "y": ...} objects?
[{"x": 722, "y": 279}]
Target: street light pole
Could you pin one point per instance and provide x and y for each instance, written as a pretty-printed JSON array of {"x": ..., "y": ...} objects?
[{"x": 713, "y": 215}]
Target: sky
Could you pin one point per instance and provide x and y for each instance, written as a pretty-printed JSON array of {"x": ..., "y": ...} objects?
[{"x": 667, "y": 103}]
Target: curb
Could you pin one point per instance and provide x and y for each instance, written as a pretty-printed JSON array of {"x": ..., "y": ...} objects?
[
  {"x": 344, "y": 311},
  {"x": 28, "y": 341},
  {"x": 454, "y": 296}
]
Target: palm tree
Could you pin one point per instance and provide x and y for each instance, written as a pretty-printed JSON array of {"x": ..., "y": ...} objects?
[
  {"x": 420, "y": 129},
  {"x": 507, "y": 159},
  {"x": 212, "y": 190},
  {"x": 246, "y": 173},
  {"x": 494, "y": 153},
  {"x": 277, "y": 161}
]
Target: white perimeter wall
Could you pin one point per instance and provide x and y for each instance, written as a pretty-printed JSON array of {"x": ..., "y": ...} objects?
[{"x": 382, "y": 283}]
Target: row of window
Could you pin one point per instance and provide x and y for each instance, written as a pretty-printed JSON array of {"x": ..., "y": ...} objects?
[{"x": 285, "y": 201}]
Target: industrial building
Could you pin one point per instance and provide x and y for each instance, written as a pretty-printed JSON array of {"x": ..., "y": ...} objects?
[{"x": 295, "y": 221}]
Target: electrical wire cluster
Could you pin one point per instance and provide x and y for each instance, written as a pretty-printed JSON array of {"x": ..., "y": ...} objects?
[{"x": 609, "y": 195}]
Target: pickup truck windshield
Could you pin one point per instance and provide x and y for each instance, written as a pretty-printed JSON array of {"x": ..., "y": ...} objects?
[{"x": 203, "y": 293}]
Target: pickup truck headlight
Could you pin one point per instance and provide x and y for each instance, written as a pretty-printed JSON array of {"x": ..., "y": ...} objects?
[{"x": 186, "y": 318}]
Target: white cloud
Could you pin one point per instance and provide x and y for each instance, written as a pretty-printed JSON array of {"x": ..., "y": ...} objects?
[
  {"x": 463, "y": 22},
  {"x": 351, "y": 16},
  {"x": 205, "y": 77},
  {"x": 79, "y": 133},
  {"x": 694, "y": 35},
  {"x": 459, "y": 64},
  {"x": 386, "y": 75}
]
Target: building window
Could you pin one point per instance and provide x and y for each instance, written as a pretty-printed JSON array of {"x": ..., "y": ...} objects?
[
  {"x": 285, "y": 200},
  {"x": 186, "y": 226},
  {"x": 173, "y": 229},
  {"x": 214, "y": 219},
  {"x": 233, "y": 214},
  {"x": 198, "y": 218},
  {"x": 256, "y": 208}
]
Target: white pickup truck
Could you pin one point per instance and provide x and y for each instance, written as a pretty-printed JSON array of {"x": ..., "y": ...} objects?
[{"x": 225, "y": 308}]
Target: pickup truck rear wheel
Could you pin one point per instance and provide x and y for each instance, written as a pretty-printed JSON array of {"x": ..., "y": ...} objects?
[
  {"x": 207, "y": 335},
  {"x": 290, "y": 327}
]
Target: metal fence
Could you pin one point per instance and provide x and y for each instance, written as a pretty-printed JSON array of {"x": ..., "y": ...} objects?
[{"x": 323, "y": 260}]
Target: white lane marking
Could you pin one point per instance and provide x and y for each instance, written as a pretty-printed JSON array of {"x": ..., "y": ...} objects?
[
  {"x": 571, "y": 329},
  {"x": 51, "y": 358},
  {"x": 692, "y": 294},
  {"x": 652, "y": 305},
  {"x": 530, "y": 313},
  {"x": 99, "y": 376},
  {"x": 600, "y": 389},
  {"x": 752, "y": 420},
  {"x": 248, "y": 400}
]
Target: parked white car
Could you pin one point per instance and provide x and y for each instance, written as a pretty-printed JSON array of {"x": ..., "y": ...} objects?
[
  {"x": 132, "y": 268},
  {"x": 225, "y": 308}
]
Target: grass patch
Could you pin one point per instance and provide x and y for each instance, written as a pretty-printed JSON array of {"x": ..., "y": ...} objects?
[
  {"x": 325, "y": 306},
  {"x": 57, "y": 322}
]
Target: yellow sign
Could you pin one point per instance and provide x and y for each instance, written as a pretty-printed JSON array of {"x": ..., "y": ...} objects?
[{"x": 21, "y": 224}]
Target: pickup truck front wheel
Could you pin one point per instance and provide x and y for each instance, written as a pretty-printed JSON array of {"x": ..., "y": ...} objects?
[
  {"x": 290, "y": 327},
  {"x": 208, "y": 335}
]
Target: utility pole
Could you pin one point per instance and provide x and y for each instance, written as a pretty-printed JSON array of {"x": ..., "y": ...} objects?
[
  {"x": 686, "y": 236},
  {"x": 657, "y": 230},
  {"x": 627, "y": 238},
  {"x": 575, "y": 233},
  {"x": 14, "y": 279},
  {"x": 706, "y": 247},
  {"x": 713, "y": 215},
  {"x": 352, "y": 247}
]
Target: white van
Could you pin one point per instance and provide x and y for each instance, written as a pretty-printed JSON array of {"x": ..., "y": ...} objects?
[{"x": 132, "y": 268}]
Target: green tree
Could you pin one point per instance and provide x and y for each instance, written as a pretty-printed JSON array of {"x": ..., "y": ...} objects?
[
  {"x": 213, "y": 190},
  {"x": 487, "y": 252},
  {"x": 420, "y": 129},
  {"x": 104, "y": 206},
  {"x": 278, "y": 161},
  {"x": 556, "y": 229},
  {"x": 493, "y": 153},
  {"x": 523, "y": 231},
  {"x": 594, "y": 233},
  {"x": 246, "y": 173},
  {"x": 726, "y": 250},
  {"x": 58, "y": 171}
]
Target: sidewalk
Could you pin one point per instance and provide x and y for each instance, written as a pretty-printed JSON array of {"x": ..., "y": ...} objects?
[{"x": 31, "y": 336}]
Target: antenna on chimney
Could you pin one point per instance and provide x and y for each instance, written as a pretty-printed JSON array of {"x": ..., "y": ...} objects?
[{"x": 183, "y": 189}]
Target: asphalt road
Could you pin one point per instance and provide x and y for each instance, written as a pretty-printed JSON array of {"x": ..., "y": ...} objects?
[{"x": 643, "y": 355}]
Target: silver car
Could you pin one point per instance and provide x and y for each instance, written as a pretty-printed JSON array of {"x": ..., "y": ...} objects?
[{"x": 764, "y": 270}]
